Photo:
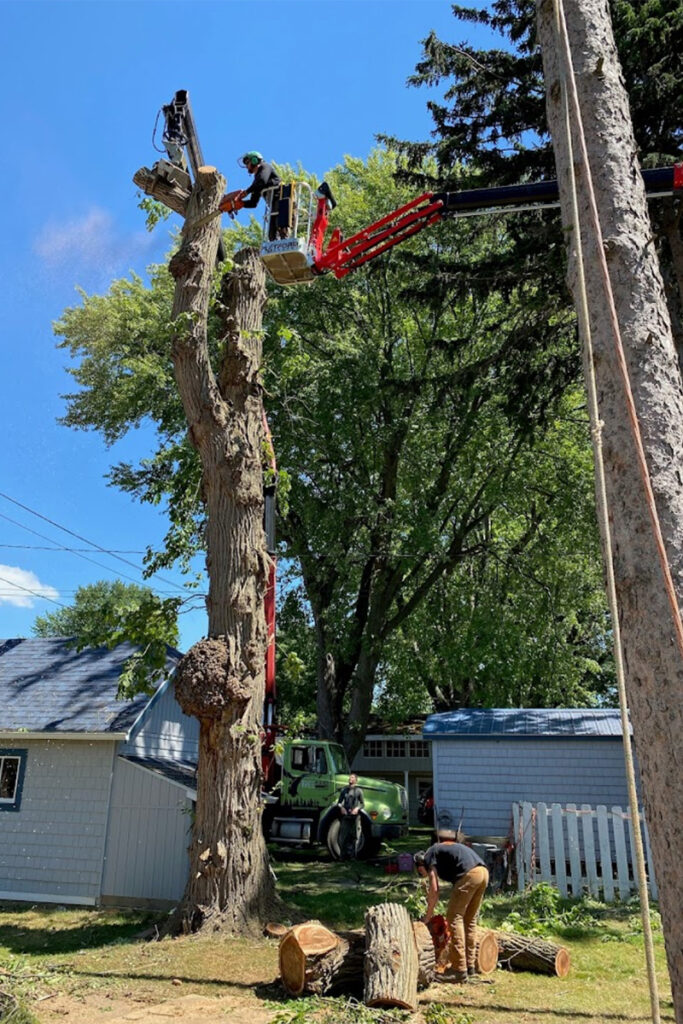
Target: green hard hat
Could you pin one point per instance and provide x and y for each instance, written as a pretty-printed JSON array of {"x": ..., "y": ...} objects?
[{"x": 249, "y": 158}]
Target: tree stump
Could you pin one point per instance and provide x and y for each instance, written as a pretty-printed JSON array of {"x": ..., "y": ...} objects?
[
  {"x": 391, "y": 962},
  {"x": 529, "y": 953}
]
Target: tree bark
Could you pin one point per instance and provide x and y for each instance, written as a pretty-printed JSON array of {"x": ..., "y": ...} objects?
[
  {"x": 653, "y": 663},
  {"x": 221, "y": 679},
  {"x": 391, "y": 966},
  {"x": 529, "y": 953}
]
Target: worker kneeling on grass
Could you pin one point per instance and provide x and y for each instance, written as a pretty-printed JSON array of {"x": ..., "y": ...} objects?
[{"x": 453, "y": 862}]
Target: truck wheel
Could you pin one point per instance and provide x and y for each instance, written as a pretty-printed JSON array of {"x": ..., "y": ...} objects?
[{"x": 332, "y": 839}]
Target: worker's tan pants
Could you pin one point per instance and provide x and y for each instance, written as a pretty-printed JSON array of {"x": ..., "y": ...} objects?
[{"x": 463, "y": 908}]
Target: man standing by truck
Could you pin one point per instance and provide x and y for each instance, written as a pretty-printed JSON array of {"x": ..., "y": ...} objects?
[
  {"x": 459, "y": 864},
  {"x": 350, "y": 802}
]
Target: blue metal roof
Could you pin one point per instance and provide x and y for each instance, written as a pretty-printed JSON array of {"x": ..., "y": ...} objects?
[
  {"x": 510, "y": 722},
  {"x": 46, "y": 685}
]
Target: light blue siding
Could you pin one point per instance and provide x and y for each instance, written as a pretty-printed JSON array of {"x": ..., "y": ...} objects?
[
  {"x": 147, "y": 839},
  {"x": 52, "y": 848},
  {"x": 478, "y": 779},
  {"x": 164, "y": 731}
]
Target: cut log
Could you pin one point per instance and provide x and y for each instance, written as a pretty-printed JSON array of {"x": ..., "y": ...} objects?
[
  {"x": 154, "y": 182},
  {"x": 529, "y": 953},
  {"x": 300, "y": 949},
  {"x": 487, "y": 951},
  {"x": 391, "y": 963},
  {"x": 426, "y": 955},
  {"x": 341, "y": 970}
]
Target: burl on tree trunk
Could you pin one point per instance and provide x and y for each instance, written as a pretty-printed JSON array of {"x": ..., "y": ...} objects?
[{"x": 221, "y": 680}]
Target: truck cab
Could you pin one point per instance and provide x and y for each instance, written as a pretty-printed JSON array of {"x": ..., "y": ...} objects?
[{"x": 302, "y": 809}]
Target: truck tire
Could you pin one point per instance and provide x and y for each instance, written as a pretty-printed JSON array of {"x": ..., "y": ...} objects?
[{"x": 367, "y": 846}]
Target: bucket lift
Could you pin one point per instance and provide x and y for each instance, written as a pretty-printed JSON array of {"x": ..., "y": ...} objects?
[{"x": 294, "y": 224}]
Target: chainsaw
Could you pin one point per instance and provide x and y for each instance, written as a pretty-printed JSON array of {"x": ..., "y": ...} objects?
[{"x": 440, "y": 931}]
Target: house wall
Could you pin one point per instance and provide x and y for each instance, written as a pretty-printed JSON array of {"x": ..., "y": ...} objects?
[
  {"x": 146, "y": 860},
  {"x": 52, "y": 847},
  {"x": 165, "y": 731},
  {"x": 478, "y": 779}
]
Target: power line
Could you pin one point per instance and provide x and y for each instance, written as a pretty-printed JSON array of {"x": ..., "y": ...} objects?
[
  {"x": 85, "y": 540},
  {"x": 73, "y": 551}
]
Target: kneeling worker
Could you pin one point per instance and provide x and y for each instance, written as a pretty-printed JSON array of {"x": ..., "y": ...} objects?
[{"x": 459, "y": 864}]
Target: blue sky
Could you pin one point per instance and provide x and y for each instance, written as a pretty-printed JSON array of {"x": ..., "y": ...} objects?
[{"x": 81, "y": 83}]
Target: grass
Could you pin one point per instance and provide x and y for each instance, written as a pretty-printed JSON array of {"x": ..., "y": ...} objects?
[{"x": 89, "y": 965}]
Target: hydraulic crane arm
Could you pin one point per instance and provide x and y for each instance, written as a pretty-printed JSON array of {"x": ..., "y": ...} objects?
[{"x": 341, "y": 257}]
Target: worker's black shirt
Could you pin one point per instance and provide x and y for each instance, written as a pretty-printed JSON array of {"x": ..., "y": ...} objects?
[
  {"x": 351, "y": 797},
  {"x": 264, "y": 178},
  {"x": 451, "y": 860}
]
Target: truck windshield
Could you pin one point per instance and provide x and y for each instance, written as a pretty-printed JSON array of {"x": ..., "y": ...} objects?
[{"x": 340, "y": 764}]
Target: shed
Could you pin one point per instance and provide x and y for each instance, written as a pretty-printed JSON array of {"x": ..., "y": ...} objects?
[
  {"x": 485, "y": 759},
  {"x": 96, "y": 794}
]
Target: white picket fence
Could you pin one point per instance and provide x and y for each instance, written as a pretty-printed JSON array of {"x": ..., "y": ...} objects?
[{"x": 579, "y": 849}]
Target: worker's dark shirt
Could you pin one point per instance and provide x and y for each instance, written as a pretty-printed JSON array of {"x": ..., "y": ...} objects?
[
  {"x": 451, "y": 860},
  {"x": 264, "y": 178},
  {"x": 351, "y": 797}
]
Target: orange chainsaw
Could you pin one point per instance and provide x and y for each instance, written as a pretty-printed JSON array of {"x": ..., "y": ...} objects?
[{"x": 440, "y": 931}]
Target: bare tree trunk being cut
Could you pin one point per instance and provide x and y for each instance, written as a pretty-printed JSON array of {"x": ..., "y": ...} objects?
[
  {"x": 653, "y": 662},
  {"x": 221, "y": 680}
]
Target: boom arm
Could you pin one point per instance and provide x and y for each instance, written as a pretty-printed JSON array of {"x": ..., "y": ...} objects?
[{"x": 341, "y": 257}]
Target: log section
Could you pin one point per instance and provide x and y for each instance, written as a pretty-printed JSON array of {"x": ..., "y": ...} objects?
[
  {"x": 529, "y": 953},
  {"x": 391, "y": 963}
]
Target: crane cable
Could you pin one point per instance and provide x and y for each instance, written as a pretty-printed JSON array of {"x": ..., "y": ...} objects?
[{"x": 568, "y": 88}]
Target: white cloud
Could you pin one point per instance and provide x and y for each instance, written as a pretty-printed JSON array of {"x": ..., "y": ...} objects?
[
  {"x": 90, "y": 245},
  {"x": 21, "y": 588}
]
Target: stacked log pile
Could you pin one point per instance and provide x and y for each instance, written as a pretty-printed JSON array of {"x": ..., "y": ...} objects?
[{"x": 388, "y": 961}]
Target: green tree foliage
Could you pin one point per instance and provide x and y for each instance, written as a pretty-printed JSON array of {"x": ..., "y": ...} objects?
[{"x": 111, "y": 613}]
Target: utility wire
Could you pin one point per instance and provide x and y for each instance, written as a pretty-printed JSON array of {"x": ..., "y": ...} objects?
[{"x": 85, "y": 540}]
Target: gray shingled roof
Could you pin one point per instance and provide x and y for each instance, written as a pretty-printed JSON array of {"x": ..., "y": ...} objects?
[
  {"x": 183, "y": 772},
  {"x": 511, "y": 722},
  {"x": 46, "y": 685}
]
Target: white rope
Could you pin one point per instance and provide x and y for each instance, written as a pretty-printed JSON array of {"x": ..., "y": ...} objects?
[{"x": 568, "y": 84}]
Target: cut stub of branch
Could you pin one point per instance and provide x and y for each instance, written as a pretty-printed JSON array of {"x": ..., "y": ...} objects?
[{"x": 529, "y": 953}]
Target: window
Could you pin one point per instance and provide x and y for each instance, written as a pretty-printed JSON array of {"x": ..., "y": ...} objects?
[
  {"x": 372, "y": 748},
  {"x": 396, "y": 748},
  {"x": 419, "y": 748},
  {"x": 12, "y": 764}
]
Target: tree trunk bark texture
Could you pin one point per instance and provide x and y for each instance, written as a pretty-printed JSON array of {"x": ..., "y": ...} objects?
[
  {"x": 221, "y": 680},
  {"x": 391, "y": 965},
  {"x": 529, "y": 953},
  {"x": 653, "y": 664}
]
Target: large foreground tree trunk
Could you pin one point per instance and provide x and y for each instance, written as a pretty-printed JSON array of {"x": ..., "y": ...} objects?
[
  {"x": 654, "y": 667},
  {"x": 221, "y": 679}
]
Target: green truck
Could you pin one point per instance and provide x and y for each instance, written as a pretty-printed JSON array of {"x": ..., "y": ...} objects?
[{"x": 301, "y": 808}]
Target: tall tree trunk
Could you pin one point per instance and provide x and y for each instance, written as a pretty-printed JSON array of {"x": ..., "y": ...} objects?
[
  {"x": 654, "y": 667},
  {"x": 221, "y": 679}
]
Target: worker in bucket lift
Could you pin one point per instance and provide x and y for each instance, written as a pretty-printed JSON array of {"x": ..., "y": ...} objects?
[
  {"x": 459, "y": 864},
  {"x": 265, "y": 177}
]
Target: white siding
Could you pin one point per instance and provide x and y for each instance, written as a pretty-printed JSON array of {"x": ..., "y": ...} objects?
[
  {"x": 478, "y": 779},
  {"x": 52, "y": 847},
  {"x": 148, "y": 835},
  {"x": 164, "y": 730}
]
